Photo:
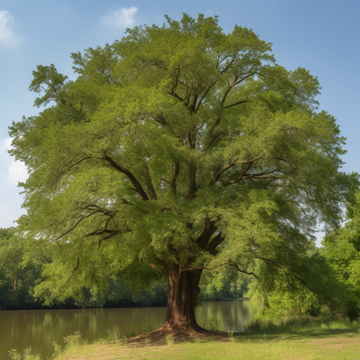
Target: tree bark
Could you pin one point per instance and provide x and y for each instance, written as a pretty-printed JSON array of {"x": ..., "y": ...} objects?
[{"x": 182, "y": 289}]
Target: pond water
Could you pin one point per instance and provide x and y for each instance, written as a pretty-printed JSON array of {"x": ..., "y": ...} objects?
[{"x": 40, "y": 328}]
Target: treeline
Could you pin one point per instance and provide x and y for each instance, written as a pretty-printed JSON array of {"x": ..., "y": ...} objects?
[{"x": 18, "y": 280}]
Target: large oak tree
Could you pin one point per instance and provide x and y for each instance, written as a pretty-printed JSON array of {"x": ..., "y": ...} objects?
[{"x": 176, "y": 149}]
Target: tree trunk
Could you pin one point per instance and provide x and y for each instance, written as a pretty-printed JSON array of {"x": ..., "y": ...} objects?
[{"x": 182, "y": 289}]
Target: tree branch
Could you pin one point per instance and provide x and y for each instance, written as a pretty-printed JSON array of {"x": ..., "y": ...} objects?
[
  {"x": 217, "y": 122},
  {"x": 217, "y": 176},
  {"x": 207, "y": 231},
  {"x": 149, "y": 185},
  {"x": 108, "y": 237},
  {"x": 243, "y": 271},
  {"x": 261, "y": 175},
  {"x": 229, "y": 166},
  {"x": 119, "y": 167},
  {"x": 203, "y": 97},
  {"x": 203, "y": 267},
  {"x": 71, "y": 228},
  {"x": 77, "y": 265},
  {"x": 191, "y": 187},
  {"x": 236, "y": 82},
  {"x": 228, "y": 66},
  {"x": 176, "y": 169},
  {"x": 215, "y": 242},
  {"x": 71, "y": 166},
  {"x": 236, "y": 103},
  {"x": 175, "y": 86}
]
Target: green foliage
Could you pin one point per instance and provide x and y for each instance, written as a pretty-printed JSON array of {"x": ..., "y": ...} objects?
[
  {"x": 114, "y": 334},
  {"x": 17, "y": 281},
  {"x": 121, "y": 293},
  {"x": 224, "y": 283},
  {"x": 176, "y": 147},
  {"x": 72, "y": 343},
  {"x": 342, "y": 250},
  {"x": 73, "y": 340},
  {"x": 14, "y": 355},
  {"x": 314, "y": 289}
]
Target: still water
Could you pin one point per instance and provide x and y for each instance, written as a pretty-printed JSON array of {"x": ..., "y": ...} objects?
[{"x": 40, "y": 328}]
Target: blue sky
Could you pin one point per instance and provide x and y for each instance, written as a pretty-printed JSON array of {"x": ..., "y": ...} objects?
[{"x": 322, "y": 36}]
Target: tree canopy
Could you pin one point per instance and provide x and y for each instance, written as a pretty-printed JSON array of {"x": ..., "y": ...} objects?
[
  {"x": 342, "y": 250},
  {"x": 176, "y": 149}
]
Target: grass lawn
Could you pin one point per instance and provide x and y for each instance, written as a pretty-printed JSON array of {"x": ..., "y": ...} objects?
[
  {"x": 344, "y": 346},
  {"x": 290, "y": 339}
]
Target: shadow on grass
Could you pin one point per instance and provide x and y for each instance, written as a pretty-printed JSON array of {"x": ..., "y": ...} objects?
[
  {"x": 299, "y": 327},
  {"x": 275, "y": 330}
]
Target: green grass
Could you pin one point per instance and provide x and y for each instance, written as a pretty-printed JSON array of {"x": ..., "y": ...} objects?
[
  {"x": 292, "y": 338},
  {"x": 330, "y": 348},
  {"x": 302, "y": 326}
]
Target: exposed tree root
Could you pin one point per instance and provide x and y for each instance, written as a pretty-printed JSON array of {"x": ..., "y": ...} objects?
[{"x": 160, "y": 336}]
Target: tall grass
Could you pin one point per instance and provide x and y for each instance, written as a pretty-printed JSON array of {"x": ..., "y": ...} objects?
[
  {"x": 114, "y": 335},
  {"x": 72, "y": 343},
  {"x": 14, "y": 355}
]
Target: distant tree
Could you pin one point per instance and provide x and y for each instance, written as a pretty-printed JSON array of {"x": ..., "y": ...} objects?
[
  {"x": 17, "y": 282},
  {"x": 342, "y": 250},
  {"x": 311, "y": 289},
  {"x": 176, "y": 149}
]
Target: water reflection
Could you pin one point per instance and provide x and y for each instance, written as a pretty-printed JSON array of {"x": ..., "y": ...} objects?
[
  {"x": 40, "y": 328},
  {"x": 230, "y": 315}
]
